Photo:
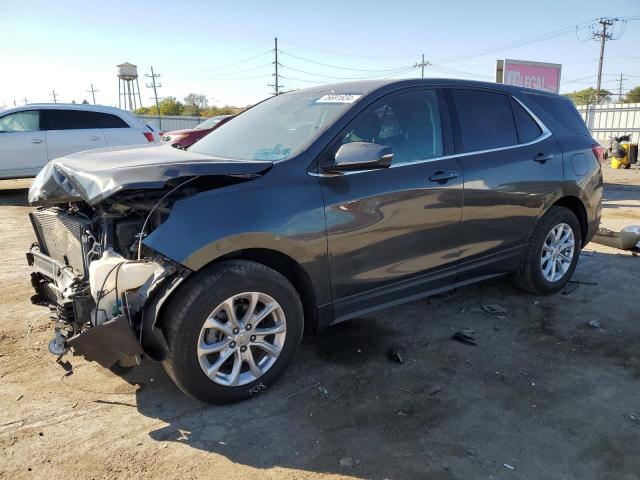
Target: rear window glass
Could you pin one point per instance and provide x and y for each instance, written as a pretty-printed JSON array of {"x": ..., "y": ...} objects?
[
  {"x": 528, "y": 129},
  {"x": 81, "y": 119},
  {"x": 486, "y": 120},
  {"x": 563, "y": 111}
]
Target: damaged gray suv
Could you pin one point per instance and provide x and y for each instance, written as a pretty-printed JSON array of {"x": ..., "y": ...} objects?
[{"x": 310, "y": 208}]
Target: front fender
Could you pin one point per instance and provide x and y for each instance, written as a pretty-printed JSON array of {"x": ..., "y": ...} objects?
[{"x": 281, "y": 211}]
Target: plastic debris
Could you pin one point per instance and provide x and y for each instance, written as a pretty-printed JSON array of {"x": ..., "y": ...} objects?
[
  {"x": 594, "y": 324},
  {"x": 465, "y": 337},
  {"x": 394, "y": 356},
  {"x": 346, "y": 462},
  {"x": 494, "y": 309},
  {"x": 506, "y": 465}
]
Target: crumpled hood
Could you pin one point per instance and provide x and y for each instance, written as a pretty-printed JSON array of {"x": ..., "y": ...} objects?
[{"x": 95, "y": 175}]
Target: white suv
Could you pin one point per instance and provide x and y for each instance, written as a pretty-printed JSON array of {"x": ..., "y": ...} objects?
[{"x": 32, "y": 135}]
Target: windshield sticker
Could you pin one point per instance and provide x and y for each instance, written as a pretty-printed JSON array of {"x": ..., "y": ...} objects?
[{"x": 339, "y": 98}]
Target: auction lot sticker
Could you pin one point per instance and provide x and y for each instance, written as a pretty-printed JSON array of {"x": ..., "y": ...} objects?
[{"x": 339, "y": 98}]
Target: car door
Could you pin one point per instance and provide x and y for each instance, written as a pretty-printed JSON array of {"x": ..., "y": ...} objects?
[
  {"x": 512, "y": 168},
  {"x": 118, "y": 132},
  {"x": 22, "y": 144},
  {"x": 71, "y": 131},
  {"x": 392, "y": 233}
]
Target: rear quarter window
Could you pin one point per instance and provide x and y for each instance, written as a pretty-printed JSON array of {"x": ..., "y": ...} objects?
[{"x": 563, "y": 111}]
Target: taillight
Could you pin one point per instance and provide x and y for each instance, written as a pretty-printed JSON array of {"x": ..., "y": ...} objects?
[
  {"x": 148, "y": 136},
  {"x": 598, "y": 151}
]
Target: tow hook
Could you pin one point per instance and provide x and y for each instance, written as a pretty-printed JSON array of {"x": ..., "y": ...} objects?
[{"x": 58, "y": 344}]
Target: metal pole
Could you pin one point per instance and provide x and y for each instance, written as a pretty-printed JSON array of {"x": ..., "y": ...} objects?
[
  {"x": 119, "y": 92},
  {"x": 277, "y": 85},
  {"x": 155, "y": 94},
  {"x": 620, "y": 90},
  {"x": 603, "y": 39},
  {"x": 422, "y": 65},
  {"x": 139, "y": 97}
]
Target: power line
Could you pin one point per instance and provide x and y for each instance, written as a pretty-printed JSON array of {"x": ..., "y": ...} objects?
[
  {"x": 227, "y": 74},
  {"x": 603, "y": 36},
  {"x": 342, "y": 54},
  {"x": 235, "y": 63},
  {"x": 338, "y": 66}
]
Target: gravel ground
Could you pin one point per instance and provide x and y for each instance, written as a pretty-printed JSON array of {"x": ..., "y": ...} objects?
[{"x": 543, "y": 395}]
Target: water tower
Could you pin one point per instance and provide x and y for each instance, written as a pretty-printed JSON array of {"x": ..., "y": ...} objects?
[{"x": 128, "y": 86}]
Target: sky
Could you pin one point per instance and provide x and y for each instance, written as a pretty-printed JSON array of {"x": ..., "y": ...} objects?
[{"x": 224, "y": 49}]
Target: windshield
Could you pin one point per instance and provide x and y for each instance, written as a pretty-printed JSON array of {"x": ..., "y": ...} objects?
[
  {"x": 210, "y": 123},
  {"x": 275, "y": 129}
]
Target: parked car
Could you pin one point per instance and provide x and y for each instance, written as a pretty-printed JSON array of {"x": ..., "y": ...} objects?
[
  {"x": 32, "y": 135},
  {"x": 310, "y": 208},
  {"x": 187, "y": 137}
]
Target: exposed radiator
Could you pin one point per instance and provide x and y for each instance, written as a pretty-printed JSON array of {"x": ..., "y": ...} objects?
[{"x": 60, "y": 237}]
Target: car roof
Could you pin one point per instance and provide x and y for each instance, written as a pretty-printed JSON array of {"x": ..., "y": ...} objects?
[
  {"x": 364, "y": 87},
  {"x": 67, "y": 106}
]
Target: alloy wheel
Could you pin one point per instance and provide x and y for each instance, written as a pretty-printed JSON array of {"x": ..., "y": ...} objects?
[
  {"x": 557, "y": 252},
  {"x": 241, "y": 339}
]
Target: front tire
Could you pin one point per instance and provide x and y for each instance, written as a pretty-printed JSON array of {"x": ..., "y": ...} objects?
[
  {"x": 552, "y": 254},
  {"x": 231, "y": 330}
]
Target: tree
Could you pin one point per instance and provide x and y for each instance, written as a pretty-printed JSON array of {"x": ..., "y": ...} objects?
[
  {"x": 588, "y": 96},
  {"x": 170, "y": 106},
  {"x": 84, "y": 102},
  {"x": 632, "y": 96},
  {"x": 144, "y": 111},
  {"x": 195, "y": 104}
]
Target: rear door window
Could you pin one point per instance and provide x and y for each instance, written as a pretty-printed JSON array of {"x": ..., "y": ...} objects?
[
  {"x": 27, "y": 121},
  {"x": 486, "y": 120},
  {"x": 70, "y": 120},
  {"x": 528, "y": 129}
]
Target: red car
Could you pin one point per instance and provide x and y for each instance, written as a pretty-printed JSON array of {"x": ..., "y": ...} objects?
[{"x": 187, "y": 137}]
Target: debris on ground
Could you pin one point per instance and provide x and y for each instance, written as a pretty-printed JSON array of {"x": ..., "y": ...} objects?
[
  {"x": 470, "y": 451},
  {"x": 402, "y": 389},
  {"x": 304, "y": 389},
  {"x": 323, "y": 390},
  {"x": 580, "y": 282},
  {"x": 494, "y": 309},
  {"x": 506, "y": 465},
  {"x": 394, "y": 356},
  {"x": 594, "y": 324},
  {"x": 570, "y": 289},
  {"x": 624, "y": 240},
  {"x": 346, "y": 462},
  {"x": 464, "y": 336},
  {"x": 434, "y": 390},
  {"x": 635, "y": 417},
  {"x": 19, "y": 398}
]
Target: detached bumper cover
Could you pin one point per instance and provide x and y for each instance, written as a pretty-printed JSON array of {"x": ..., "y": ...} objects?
[{"x": 106, "y": 343}]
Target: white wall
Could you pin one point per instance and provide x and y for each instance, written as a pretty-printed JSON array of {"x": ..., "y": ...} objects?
[
  {"x": 612, "y": 120},
  {"x": 172, "y": 122}
]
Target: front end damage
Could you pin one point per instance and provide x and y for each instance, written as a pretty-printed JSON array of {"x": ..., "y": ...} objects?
[{"x": 104, "y": 286}]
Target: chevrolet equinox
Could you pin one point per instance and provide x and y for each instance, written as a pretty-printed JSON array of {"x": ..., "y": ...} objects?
[{"x": 308, "y": 209}]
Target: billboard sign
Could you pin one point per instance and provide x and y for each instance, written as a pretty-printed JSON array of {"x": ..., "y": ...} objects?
[{"x": 537, "y": 75}]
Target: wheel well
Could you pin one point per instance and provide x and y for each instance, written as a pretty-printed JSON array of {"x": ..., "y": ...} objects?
[
  {"x": 288, "y": 268},
  {"x": 575, "y": 205}
]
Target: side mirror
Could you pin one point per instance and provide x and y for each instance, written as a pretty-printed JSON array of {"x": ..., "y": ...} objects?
[{"x": 361, "y": 156}]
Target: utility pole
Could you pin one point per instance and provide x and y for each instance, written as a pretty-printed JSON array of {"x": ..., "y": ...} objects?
[
  {"x": 93, "y": 93},
  {"x": 53, "y": 94},
  {"x": 620, "y": 80},
  {"x": 155, "y": 87},
  {"x": 603, "y": 35},
  {"x": 276, "y": 86},
  {"x": 422, "y": 64},
  {"x": 26, "y": 101}
]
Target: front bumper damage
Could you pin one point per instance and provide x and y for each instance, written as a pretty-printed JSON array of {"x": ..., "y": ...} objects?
[{"x": 122, "y": 338}]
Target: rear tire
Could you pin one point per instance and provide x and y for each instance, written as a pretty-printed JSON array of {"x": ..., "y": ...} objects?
[
  {"x": 552, "y": 254},
  {"x": 244, "y": 359}
]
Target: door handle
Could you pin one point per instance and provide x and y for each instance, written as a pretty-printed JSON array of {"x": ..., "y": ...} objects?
[
  {"x": 443, "y": 176},
  {"x": 36, "y": 140},
  {"x": 542, "y": 157},
  {"x": 94, "y": 138}
]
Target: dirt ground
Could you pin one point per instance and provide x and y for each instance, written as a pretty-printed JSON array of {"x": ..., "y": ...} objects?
[{"x": 543, "y": 395}]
